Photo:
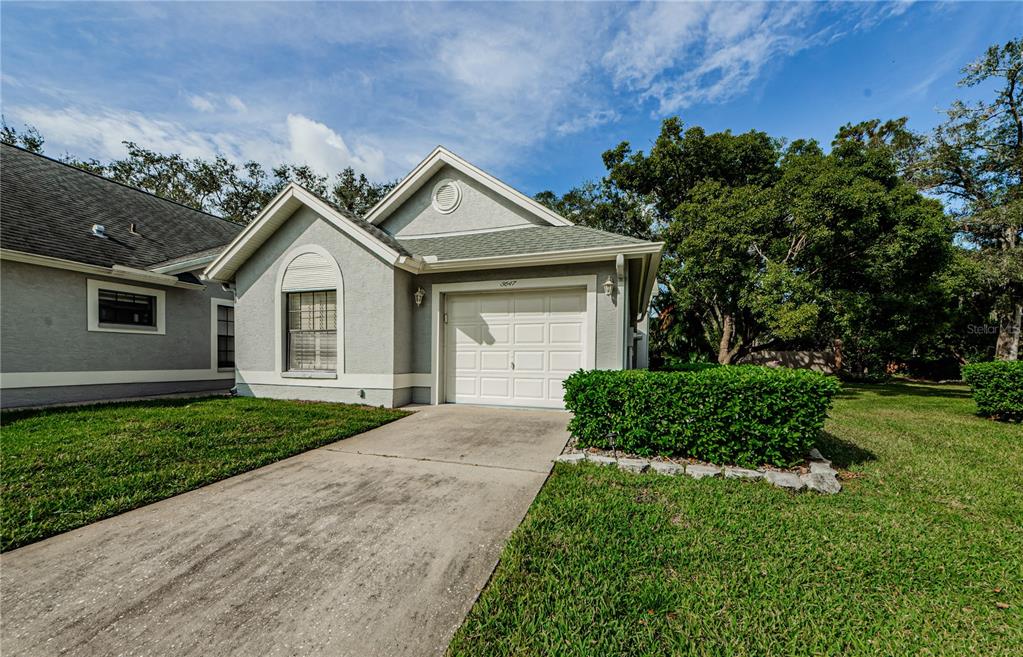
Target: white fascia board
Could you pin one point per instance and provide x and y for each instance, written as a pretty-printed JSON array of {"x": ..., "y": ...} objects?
[
  {"x": 433, "y": 163},
  {"x": 284, "y": 205},
  {"x": 539, "y": 259},
  {"x": 117, "y": 271},
  {"x": 650, "y": 280}
]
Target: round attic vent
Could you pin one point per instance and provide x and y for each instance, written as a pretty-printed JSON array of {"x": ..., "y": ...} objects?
[{"x": 446, "y": 196}]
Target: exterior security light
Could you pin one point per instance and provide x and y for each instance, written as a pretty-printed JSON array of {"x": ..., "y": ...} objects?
[
  {"x": 420, "y": 293},
  {"x": 609, "y": 286}
]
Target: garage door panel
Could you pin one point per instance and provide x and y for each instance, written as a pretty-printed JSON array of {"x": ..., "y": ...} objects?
[
  {"x": 494, "y": 387},
  {"x": 529, "y": 304},
  {"x": 467, "y": 334},
  {"x": 495, "y": 305},
  {"x": 495, "y": 360},
  {"x": 565, "y": 361},
  {"x": 465, "y": 386},
  {"x": 529, "y": 389},
  {"x": 497, "y": 333},
  {"x": 566, "y": 333},
  {"x": 466, "y": 360},
  {"x": 529, "y": 361},
  {"x": 569, "y": 302},
  {"x": 514, "y": 348},
  {"x": 555, "y": 389},
  {"x": 529, "y": 333},
  {"x": 462, "y": 308}
]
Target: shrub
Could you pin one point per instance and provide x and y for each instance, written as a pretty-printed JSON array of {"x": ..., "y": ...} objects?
[
  {"x": 743, "y": 414},
  {"x": 997, "y": 388}
]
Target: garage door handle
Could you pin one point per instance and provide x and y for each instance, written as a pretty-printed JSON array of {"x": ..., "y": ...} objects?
[{"x": 513, "y": 364}]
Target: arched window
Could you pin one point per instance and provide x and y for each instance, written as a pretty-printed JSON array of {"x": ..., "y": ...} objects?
[{"x": 313, "y": 319}]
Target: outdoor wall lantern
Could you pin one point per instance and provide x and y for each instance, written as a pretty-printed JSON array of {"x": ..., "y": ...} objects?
[
  {"x": 609, "y": 286},
  {"x": 420, "y": 293}
]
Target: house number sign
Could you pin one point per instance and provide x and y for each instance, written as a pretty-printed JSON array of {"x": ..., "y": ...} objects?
[{"x": 508, "y": 283}]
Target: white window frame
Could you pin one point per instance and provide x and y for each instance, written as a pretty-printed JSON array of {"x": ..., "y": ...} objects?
[
  {"x": 93, "y": 286},
  {"x": 214, "y": 334},
  {"x": 281, "y": 315}
]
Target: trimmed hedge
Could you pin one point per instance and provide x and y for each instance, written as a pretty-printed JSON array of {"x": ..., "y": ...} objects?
[
  {"x": 997, "y": 388},
  {"x": 743, "y": 414}
]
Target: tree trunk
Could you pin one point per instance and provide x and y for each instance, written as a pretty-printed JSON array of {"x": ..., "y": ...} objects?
[
  {"x": 1007, "y": 347},
  {"x": 727, "y": 329},
  {"x": 838, "y": 354}
]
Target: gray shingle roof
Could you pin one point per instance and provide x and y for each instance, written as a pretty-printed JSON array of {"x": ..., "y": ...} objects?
[
  {"x": 520, "y": 241},
  {"x": 48, "y": 208},
  {"x": 378, "y": 233}
]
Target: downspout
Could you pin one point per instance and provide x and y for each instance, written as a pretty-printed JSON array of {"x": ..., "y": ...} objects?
[{"x": 623, "y": 315}]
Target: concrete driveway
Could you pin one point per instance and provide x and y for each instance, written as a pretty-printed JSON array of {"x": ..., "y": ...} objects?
[{"x": 375, "y": 545}]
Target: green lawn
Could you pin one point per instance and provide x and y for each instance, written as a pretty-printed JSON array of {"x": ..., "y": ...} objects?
[
  {"x": 922, "y": 553},
  {"x": 64, "y": 468}
]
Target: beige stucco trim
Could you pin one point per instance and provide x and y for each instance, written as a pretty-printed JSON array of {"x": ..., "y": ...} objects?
[
  {"x": 117, "y": 271},
  {"x": 10, "y": 380},
  {"x": 433, "y": 163},
  {"x": 363, "y": 381},
  {"x": 507, "y": 285}
]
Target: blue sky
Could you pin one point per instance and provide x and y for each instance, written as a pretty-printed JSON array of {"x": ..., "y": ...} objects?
[{"x": 533, "y": 92}]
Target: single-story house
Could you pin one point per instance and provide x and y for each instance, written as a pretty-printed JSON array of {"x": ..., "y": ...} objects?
[
  {"x": 454, "y": 288},
  {"x": 100, "y": 295}
]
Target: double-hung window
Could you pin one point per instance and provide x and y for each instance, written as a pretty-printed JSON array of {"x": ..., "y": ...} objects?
[
  {"x": 225, "y": 336},
  {"x": 312, "y": 331}
]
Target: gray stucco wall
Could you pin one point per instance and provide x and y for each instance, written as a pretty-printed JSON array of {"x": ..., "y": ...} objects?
[
  {"x": 369, "y": 302},
  {"x": 607, "y": 356},
  {"x": 480, "y": 208},
  {"x": 44, "y": 326},
  {"x": 404, "y": 313}
]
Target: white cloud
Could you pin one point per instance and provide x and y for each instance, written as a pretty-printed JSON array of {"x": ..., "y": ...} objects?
[
  {"x": 235, "y": 103},
  {"x": 592, "y": 119},
  {"x": 683, "y": 54},
  {"x": 297, "y": 139},
  {"x": 201, "y": 103},
  {"x": 314, "y": 143}
]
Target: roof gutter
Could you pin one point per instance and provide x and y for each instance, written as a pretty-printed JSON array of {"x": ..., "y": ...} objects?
[
  {"x": 544, "y": 258},
  {"x": 116, "y": 271}
]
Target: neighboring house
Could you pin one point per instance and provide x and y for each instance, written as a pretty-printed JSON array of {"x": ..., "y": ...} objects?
[
  {"x": 99, "y": 290},
  {"x": 454, "y": 288}
]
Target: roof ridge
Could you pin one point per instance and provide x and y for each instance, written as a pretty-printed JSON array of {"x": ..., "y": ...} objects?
[{"x": 117, "y": 182}]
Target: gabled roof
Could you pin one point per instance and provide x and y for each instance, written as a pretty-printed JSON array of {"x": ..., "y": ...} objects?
[
  {"x": 48, "y": 209},
  {"x": 559, "y": 241},
  {"x": 434, "y": 162},
  {"x": 521, "y": 241},
  {"x": 279, "y": 210}
]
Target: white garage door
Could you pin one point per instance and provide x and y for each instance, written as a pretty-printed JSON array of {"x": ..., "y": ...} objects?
[{"x": 513, "y": 348}]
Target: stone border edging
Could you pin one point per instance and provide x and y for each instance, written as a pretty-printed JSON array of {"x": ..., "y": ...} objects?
[{"x": 821, "y": 478}]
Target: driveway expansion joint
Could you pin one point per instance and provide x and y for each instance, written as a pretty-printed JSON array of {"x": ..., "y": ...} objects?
[{"x": 429, "y": 460}]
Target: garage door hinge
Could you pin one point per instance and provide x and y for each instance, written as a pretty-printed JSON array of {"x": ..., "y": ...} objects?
[{"x": 445, "y": 318}]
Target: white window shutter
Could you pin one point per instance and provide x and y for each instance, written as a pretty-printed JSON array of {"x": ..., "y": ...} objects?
[{"x": 310, "y": 271}]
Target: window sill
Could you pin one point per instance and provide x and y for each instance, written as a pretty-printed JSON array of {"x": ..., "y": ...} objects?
[
  {"x": 225, "y": 369},
  {"x": 127, "y": 328},
  {"x": 296, "y": 374}
]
